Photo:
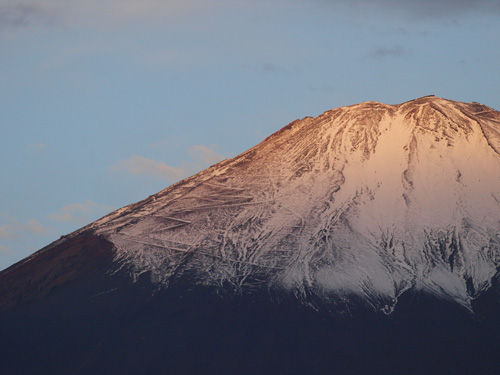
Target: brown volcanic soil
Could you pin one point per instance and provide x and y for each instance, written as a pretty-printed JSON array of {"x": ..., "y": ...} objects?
[{"x": 56, "y": 266}]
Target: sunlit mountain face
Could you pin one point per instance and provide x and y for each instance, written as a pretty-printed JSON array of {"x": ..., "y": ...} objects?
[{"x": 363, "y": 241}]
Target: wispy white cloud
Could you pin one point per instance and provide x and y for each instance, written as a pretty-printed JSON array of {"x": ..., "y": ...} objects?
[
  {"x": 206, "y": 154},
  {"x": 22, "y": 14},
  {"x": 5, "y": 249},
  {"x": 7, "y": 231},
  {"x": 396, "y": 51},
  {"x": 33, "y": 226},
  {"x": 203, "y": 156},
  {"x": 139, "y": 165},
  {"x": 271, "y": 68},
  {"x": 37, "y": 148},
  {"x": 80, "y": 212},
  {"x": 419, "y": 9},
  {"x": 16, "y": 230},
  {"x": 102, "y": 13}
]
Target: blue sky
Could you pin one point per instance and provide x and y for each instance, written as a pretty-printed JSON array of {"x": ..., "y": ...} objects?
[{"x": 104, "y": 102}]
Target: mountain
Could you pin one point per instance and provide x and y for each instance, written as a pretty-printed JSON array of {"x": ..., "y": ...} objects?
[{"x": 366, "y": 240}]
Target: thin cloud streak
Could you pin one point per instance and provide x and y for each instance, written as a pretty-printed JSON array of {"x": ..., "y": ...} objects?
[
  {"x": 7, "y": 231},
  {"x": 102, "y": 13},
  {"x": 203, "y": 156},
  {"x": 5, "y": 249},
  {"x": 422, "y": 9},
  {"x": 271, "y": 68},
  {"x": 27, "y": 14},
  {"x": 17, "y": 230},
  {"x": 396, "y": 51},
  {"x": 80, "y": 212},
  {"x": 37, "y": 148},
  {"x": 139, "y": 165}
]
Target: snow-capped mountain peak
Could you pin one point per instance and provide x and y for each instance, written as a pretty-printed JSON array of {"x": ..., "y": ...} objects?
[{"x": 368, "y": 200}]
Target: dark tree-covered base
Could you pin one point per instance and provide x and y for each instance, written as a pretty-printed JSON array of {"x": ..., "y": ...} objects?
[{"x": 197, "y": 331}]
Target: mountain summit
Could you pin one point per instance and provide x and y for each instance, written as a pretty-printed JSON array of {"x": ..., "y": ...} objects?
[
  {"x": 361, "y": 206},
  {"x": 370, "y": 200}
]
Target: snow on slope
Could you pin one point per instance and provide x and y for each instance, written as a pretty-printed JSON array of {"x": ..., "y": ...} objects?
[{"x": 368, "y": 200}]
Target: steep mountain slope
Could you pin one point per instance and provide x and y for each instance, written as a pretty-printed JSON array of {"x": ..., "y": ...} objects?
[
  {"x": 368, "y": 200},
  {"x": 369, "y": 210}
]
